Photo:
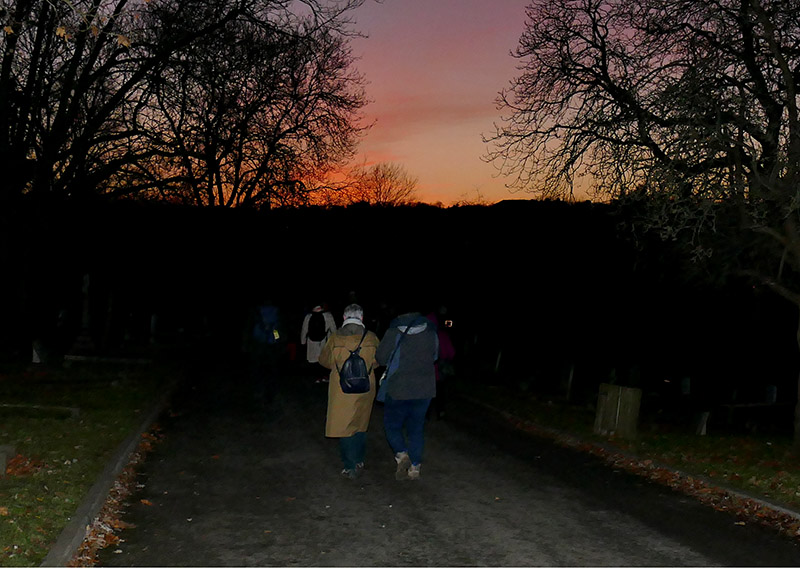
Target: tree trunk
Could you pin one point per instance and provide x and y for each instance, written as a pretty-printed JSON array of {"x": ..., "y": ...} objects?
[
  {"x": 796, "y": 443},
  {"x": 797, "y": 420}
]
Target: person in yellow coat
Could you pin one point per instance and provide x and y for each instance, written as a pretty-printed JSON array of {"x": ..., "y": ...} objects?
[{"x": 349, "y": 414}]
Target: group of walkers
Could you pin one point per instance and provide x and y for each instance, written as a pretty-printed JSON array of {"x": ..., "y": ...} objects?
[{"x": 414, "y": 353}]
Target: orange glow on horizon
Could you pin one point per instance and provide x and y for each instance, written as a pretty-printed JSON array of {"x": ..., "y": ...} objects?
[{"x": 434, "y": 91}]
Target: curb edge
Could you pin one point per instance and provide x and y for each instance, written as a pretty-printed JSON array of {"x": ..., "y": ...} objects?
[
  {"x": 74, "y": 533},
  {"x": 571, "y": 440}
]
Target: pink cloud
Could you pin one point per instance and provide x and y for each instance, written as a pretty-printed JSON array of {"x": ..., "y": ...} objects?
[{"x": 435, "y": 68}]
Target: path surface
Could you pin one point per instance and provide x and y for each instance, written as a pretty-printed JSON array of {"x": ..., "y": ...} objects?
[{"x": 231, "y": 485}]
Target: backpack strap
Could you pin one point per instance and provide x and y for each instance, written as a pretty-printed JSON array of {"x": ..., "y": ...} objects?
[
  {"x": 397, "y": 341},
  {"x": 363, "y": 335}
]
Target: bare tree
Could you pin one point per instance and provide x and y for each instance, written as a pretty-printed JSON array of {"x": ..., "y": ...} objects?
[
  {"x": 217, "y": 101},
  {"x": 76, "y": 104},
  {"x": 69, "y": 71},
  {"x": 469, "y": 200},
  {"x": 685, "y": 108},
  {"x": 384, "y": 183},
  {"x": 250, "y": 118}
]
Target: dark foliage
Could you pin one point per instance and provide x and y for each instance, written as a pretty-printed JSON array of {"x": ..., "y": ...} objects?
[{"x": 544, "y": 284}]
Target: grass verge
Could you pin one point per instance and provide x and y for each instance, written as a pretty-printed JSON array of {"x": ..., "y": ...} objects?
[
  {"x": 764, "y": 466},
  {"x": 64, "y": 425}
]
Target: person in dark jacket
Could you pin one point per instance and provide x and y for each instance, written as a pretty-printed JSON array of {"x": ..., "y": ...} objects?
[
  {"x": 409, "y": 349},
  {"x": 266, "y": 343}
]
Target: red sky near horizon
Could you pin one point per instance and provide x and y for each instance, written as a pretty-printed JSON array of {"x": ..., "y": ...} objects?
[{"x": 434, "y": 69}]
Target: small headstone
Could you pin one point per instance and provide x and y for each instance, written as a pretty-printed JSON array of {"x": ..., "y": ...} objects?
[
  {"x": 702, "y": 423},
  {"x": 38, "y": 352},
  {"x": 83, "y": 343}
]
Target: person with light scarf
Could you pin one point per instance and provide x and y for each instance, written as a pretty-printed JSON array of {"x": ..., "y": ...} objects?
[{"x": 348, "y": 414}]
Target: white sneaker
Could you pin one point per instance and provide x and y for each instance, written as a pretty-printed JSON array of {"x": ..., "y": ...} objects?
[
  {"x": 413, "y": 472},
  {"x": 403, "y": 463}
]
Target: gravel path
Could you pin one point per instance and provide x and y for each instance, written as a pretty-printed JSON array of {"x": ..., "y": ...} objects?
[{"x": 235, "y": 485}]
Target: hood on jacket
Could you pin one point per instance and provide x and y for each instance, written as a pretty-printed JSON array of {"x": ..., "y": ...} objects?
[{"x": 414, "y": 322}]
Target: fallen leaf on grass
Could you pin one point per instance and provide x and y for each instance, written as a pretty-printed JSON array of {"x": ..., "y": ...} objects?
[
  {"x": 146, "y": 502},
  {"x": 3, "y": 511},
  {"x": 19, "y": 465}
]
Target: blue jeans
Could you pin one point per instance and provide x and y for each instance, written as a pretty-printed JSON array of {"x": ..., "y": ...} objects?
[
  {"x": 409, "y": 415},
  {"x": 353, "y": 449}
]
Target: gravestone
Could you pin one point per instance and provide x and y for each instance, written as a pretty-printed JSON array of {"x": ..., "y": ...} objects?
[
  {"x": 617, "y": 411},
  {"x": 83, "y": 343}
]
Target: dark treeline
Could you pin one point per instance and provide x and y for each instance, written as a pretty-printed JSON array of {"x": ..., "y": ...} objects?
[{"x": 533, "y": 287}]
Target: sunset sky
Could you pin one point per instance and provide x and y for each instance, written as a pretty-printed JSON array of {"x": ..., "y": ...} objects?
[{"x": 434, "y": 69}]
